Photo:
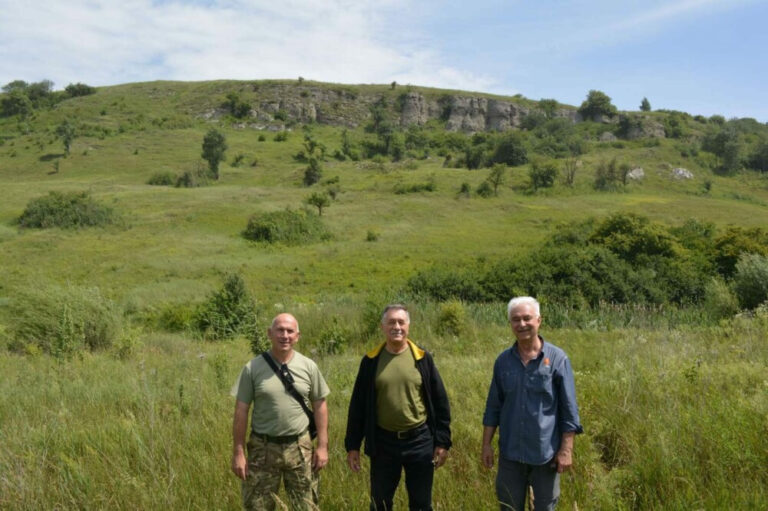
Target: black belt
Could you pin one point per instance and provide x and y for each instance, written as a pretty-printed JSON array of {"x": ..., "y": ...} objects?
[
  {"x": 402, "y": 435},
  {"x": 284, "y": 439}
]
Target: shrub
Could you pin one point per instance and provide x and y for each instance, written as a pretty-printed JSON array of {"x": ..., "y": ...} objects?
[
  {"x": 542, "y": 175},
  {"x": 484, "y": 190},
  {"x": 334, "y": 338},
  {"x": 428, "y": 186},
  {"x": 597, "y": 104},
  {"x": 65, "y": 321},
  {"x": 751, "y": 280},
  {"x": 510, "y": 149},
  {"x": 67, "y": 210},
  {"x": 288, "y": 226},
  {"x": 192, "y": 179},
  {"x": 372, "y": 236},
  {"x": 228, "y": 312},
  {"x": 79, "y": 89},
  {"x": 719, "y": 301},
  {"x": 446, "y": 282},
  {"x": 607, "y": 175},
  {"x": 735, "y": 241},
  {"x": 451, "y": 319},
  {"x": 281, "y": 136},
  {"x": 162, "y": 178}
]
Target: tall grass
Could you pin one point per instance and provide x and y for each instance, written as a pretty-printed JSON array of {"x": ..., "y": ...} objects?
[{"x": 674, "y": 419}]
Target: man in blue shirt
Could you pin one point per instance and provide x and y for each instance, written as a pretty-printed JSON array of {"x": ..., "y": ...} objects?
[{"x": 532, "y": 401}]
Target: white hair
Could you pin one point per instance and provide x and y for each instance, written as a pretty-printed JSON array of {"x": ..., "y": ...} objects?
[
  {"x": 395, "y": 307},
  {"x": 522, "y": 300}
]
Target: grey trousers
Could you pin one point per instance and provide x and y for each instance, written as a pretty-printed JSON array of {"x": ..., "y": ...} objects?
[{"x": 512, "y": 483}]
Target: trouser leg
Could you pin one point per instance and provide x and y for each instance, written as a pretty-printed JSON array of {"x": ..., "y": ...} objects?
[
  {"x": 299, "y": 479},
  {"x": 263, "y": 481},
  {"x": 419, "y": 471},
  {"x": 545, "y": 482},
  {"x": 385, "y": 476},
  {"x": 511, "y": 485}
]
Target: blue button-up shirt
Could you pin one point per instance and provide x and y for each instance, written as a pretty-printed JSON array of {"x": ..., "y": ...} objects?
[{"x": 532, "y": 405}]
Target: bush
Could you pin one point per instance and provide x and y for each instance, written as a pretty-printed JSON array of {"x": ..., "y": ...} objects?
[
  {"x": 451, "y": 319},
  {"x": 427, "y": 186},
  {"x": 228, "y": 312},
  {"x": 751, "y": 280},
  {"x": 162, "y": 178},
  {"x": 192, "y": 179},
  {"x": 65, "y": 321},
  {"x": 288, "y": 226},
  {"x": 542, "y": 175},
  {"x": 79, "y": 89},
  {"x": 719, "y": 301},
  {"x": 334, "y": 338},
  {"x": 597, "y": 104},
  {"x": 484, "y": 190},
  {"x": 66, "y": 210}
]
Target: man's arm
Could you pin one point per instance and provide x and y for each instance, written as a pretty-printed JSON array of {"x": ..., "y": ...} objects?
[
  {"x": 239, "y": 427},
  {"x": 564, "y": 457},
  {"x": 487, "y": 453},
  {"x": 442, "y": 414},
  {"x": 320, "y": 458}
]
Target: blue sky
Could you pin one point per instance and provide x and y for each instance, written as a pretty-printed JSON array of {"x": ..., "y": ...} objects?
[{"x": 700, "y": 56}]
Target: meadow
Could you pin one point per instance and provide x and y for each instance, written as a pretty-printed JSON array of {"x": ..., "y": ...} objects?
[{"x": 673, "y": 397}]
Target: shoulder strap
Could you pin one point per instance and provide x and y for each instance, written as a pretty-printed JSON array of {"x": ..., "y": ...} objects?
[{"x": 289, "y": 386}]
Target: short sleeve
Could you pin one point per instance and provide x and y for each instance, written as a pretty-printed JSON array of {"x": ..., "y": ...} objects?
[
  {"x": 319, "y": 388},
  {"x": 243, "y": 387}
]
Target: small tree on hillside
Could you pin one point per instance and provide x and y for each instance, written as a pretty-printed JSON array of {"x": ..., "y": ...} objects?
[
  {"x": 214, "y": 147},
  {"x": 597, "y": 103},
  {"x": 542, "y": 174},
  {"x": 66, "y": 132},
  {"x": 645, "y": 105},
  {"x": 548, "y": 106},
  {"x": 319, "y": 200},
  {"x": 571, "y": 165},
  {"x": 497, "y": 177}
]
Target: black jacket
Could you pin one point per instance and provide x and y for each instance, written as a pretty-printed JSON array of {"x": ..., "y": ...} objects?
[{"x": 361, "y": 420}]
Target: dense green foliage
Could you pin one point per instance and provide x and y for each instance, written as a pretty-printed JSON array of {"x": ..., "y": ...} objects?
[
  {"x": 67, "y": 210},
  {"x": 597, "y": 104},
  {"x": 214, "y": 147},
  {"x": 229, "y": 312},
  {"x": 624, "y": 259},
  {"x": 287, "y": 226}
]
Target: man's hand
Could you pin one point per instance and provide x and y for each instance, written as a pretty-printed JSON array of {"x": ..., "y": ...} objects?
[
  {"x": 439, "y": 457},
  {"x": 320, "y": 458},
  {"x": 564, "y": 460},
  {"x": 487, "y": 456},
  {"x": 353, "y": 460},
  {"x": 239, "y": 465}
]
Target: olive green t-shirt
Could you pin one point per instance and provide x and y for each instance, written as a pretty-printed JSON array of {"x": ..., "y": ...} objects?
[
  {"x": 399, "y": 399},
  {"x": 275, "y": 412}
]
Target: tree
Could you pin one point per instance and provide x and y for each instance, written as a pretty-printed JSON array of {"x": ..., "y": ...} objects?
[
  {"x": 15, "y": 103},
  {"x": 571, "y": 165},
  {"x": 313, "y": 173},
  {"x": 510, "y": 149},
  {"x": 645, "y": 105},
  {"x": 79, "y": 89},
  {"x": 548, "y": 106},
  {"x": 66, "y": 132},
  {"x": 497, "y": 177},
  {"x": 758, "y": 160},
  {"x": 237, "y": 106},
  {"x": 725, "y": 144},
  {"x": 598, "y": 103},
  {"x": 319, "y": 200},
  {"x": 214, "y": 147},
  {"x": 542, "y": 175}
]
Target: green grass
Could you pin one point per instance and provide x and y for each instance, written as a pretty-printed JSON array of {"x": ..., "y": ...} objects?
[
  {"x": 673, "y": 405},
  {"x": 674, "y": 419}
]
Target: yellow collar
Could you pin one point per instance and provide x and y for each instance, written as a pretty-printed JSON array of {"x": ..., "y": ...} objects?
[{"x": 418, "y": 353}]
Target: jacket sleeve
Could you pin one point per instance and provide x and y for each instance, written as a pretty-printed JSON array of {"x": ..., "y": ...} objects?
[
  {"x": 568, "y": 410},
  {"x": 356, "y": 414},
  {"x": 441, "y": 406}
]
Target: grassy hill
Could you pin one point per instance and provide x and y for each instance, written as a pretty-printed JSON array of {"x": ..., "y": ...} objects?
[{"x": 672, "y": 399}]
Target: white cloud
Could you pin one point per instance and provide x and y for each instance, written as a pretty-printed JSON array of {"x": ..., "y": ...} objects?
[{"x": 103, "y": 42}]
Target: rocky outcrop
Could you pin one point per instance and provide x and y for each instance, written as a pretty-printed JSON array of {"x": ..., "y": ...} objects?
[
  {"x": 681, "y": 173},
  {"x": 636, "y": 174},
  {"x": 633, "y": 127},
  {"x": 281, "y": 103}
]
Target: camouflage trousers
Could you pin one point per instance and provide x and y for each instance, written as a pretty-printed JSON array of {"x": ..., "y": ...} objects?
[{"x": 269, "y": 463}]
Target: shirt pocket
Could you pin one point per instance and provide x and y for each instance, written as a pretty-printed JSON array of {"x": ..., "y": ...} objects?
[{"x": 539, "y": 383}]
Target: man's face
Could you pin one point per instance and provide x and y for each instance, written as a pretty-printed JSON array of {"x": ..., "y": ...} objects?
[
  {"x": 395, "y": 326},
  {"x": 283, "y": 333},
  {"x": 525, "y": 323}
]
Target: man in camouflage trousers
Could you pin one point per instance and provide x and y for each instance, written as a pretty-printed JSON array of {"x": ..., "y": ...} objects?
[{"x": 279, "y": 446}]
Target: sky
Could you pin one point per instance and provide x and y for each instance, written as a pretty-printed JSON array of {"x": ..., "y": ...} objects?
[{"x": 699, "y": 56}]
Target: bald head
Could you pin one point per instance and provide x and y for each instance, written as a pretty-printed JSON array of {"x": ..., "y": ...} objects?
[{"x": 285, "y": 317}]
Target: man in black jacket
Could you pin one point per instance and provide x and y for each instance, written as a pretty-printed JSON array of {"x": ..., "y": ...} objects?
[{"x": 399, "y": 405}]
